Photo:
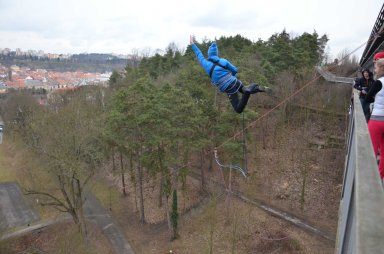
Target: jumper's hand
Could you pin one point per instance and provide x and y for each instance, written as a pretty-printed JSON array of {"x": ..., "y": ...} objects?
[{"x": 191, "y": 39}]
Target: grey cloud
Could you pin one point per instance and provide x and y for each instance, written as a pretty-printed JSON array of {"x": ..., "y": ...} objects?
[{"x": 227, "y": 19}]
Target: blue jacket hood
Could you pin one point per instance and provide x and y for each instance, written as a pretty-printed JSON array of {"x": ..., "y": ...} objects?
[{"x": 213, "y": 50}]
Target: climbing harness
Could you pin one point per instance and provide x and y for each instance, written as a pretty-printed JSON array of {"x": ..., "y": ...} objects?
[{"x": 214, "y": 65}]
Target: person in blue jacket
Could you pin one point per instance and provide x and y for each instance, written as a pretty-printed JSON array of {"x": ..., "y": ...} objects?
[{"x": 223, "y": 76}]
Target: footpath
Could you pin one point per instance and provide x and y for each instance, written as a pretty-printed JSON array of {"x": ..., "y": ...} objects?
[{"x": 93, "y": 211}]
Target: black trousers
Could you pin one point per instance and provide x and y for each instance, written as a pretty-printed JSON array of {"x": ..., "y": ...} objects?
[
  {"x": 366, "y": 108},
  {"x": 237, "y": 103}
]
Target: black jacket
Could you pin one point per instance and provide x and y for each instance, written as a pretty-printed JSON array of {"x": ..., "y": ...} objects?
[{"x": 364, "y": 84}]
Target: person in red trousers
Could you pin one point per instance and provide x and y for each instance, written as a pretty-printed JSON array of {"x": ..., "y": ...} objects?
[{"x": 376, "y": 122}]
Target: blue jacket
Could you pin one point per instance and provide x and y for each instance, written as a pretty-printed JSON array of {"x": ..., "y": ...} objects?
[{"x": 221, "y": 77}]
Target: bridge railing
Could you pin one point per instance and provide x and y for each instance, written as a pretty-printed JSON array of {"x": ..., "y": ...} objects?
[
  {"x": 332, "y": 77},
  {"x": 361, "y": 213}
]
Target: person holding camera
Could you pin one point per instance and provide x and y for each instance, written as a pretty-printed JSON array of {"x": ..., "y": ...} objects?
[{"x": 363, "y": 84}]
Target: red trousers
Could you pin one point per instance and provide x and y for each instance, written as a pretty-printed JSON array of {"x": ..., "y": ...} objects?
[{"x": 376, "y": 131}]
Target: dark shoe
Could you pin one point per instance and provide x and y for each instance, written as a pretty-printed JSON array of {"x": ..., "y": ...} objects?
[
  {"x": 252, "y": 88},
  {"x": 255, "y": 88},
  {"x": 265, "y": 89}
]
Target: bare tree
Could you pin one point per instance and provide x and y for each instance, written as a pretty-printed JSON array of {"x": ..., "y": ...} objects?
[
  {"x": 135, "y": 58},
  {"x": 67, "y": 142},
  {"x": 347, "y": 64}
]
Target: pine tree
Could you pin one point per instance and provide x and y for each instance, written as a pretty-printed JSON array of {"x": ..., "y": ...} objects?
[{"x": 174, "y": 216}]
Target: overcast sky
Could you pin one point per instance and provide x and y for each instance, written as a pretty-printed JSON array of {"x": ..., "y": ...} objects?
[{"x": 121, "y": 26}]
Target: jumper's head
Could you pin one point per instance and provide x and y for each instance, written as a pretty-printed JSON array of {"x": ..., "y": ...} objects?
[{"x": 213, "y": 50}]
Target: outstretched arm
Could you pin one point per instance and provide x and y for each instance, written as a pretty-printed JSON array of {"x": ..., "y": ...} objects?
[{"x": 200, "y": 57}]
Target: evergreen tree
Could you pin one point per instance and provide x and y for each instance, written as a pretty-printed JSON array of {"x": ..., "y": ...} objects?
[{"x": 174, "y": 215}]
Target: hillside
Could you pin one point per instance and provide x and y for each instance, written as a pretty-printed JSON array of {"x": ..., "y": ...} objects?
[
  {"x": 80, "y": 62},
  {"x": 295, "y": 163},
  {"x": 145, "y": 145}
]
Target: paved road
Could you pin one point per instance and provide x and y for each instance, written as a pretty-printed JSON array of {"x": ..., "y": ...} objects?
[
  {"x": 14, "y": 211},
  {"x": 94, "y": 211}
]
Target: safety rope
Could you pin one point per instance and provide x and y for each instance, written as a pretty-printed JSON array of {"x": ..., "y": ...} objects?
[{"x": 244, "y": 144}]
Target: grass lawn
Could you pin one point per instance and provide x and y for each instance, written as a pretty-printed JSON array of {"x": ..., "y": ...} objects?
[
  {"x": 18, "y": 165},
  {"x": 7, "y": 174}
]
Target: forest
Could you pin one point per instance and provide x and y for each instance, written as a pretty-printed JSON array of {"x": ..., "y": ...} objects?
[{"x": 144, "y": 145}]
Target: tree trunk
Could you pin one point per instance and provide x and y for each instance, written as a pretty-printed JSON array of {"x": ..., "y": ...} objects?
[
  {"x": 113, "y": 159},
  {"x": 203, "y": 187},
  {"x": 174, "y": 175},
  {"x": 122, "y": 174},
  {"x": 228, "y": 198},
  {"x": 167, "y": 212},
  {"x": 68, "y": 200},
  {"x": 141, "y": 195},
  {"x": 303, "y": 186},
  {"x": 161, "y": 190},
  {"x": 174, "y": 216},
  {"x": 79, "y": 207},
  {"x": 133, "y": 180},
  {"x": 210, "y": 161},
  {"x": 264, "y": 133}
]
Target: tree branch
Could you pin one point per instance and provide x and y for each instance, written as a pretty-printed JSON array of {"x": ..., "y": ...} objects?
[{"x": 58, "y": 201}]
